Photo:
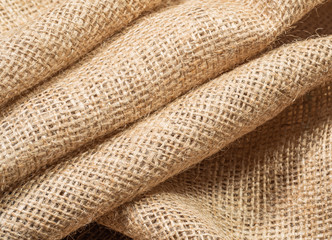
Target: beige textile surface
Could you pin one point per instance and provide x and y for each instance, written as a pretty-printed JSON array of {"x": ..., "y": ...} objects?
[
  {"x": 58, "y": 37},
  {"x": 149, "y": 103},
  {"x": 16, "y": 13},
  {"x": 139, "y": 71},
  {"x": 274, "y": 183}
]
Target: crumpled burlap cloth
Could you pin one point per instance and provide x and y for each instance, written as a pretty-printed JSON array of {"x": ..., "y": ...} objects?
[{"x": 202, "y": 119}]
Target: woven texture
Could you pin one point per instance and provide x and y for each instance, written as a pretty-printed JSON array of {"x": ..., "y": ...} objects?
[
  {"x": 59, "y": 37},
  {"x": 202, "y": 119},
  {"x": 165, "y": 143},
  {"x": 274, "y": 183},
  {"x": 133, "y": 74},
  {"x": 17, "y": 13}
]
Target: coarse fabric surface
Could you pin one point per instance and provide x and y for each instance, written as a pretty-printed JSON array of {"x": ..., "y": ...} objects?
[
  {"x": 163, "y": 144},
  {"x": 133, "y": 74},
  {"x": 58, "y": 37},
  {"x": 201, "y": 119},
  {"x": 17, "y": 13},
  {"x": 273, "y": 183}
]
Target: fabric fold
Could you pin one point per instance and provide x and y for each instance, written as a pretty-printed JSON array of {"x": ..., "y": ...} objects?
[
  {"x": 149, "y": 65},
  {"x": 58, "y": 38},
  {"x": 17, "y": 13},
  {"x": 264, "y": 186},
  {"x": 190, "y": 129},
  {"x": 95, "y": 231}
]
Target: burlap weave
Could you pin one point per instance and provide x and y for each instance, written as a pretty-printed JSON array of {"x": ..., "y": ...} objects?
[
  {"x": 17, "y": 13},
  {"x": 272, "y": 183},
  {"x": 188, "y": 130},
  {"x": 139, "y": 71},
  {"x": 59, "y": 37},
  {"x": 269, "y": 167}
]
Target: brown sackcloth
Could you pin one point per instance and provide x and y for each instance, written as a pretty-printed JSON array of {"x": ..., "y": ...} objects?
[
  {"x": 16, "y": 13},
  {"x": 274, "y": 183},
  {"x": 193, "y": 127},
  {"x": 57, "y": 38},
  {"x": 139, "y": 71}
]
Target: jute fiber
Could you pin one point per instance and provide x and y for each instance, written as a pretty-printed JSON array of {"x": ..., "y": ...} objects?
[
  {"x": 317, "y": 22},
  {"x": 59, "y": 37},
  {"x": 17, "y": 13},
  {"x": 156, "y": 60},
  {"x": 286, "y": 163},
  {"x": 229, "y": 193},
  {"x": 193, "y": 127},
  {"x": 103, "y": 140},
  {"x": 274, "y": 183}
]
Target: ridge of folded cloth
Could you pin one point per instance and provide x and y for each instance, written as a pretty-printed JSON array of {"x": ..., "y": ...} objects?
[
  {"x": 149, "y": 65},
  {"x": 188, "y": 130},
  {"x": 59, "y": 37},
  {"x": 17, "y": 13},
  {"x": 273, "y": 183}
]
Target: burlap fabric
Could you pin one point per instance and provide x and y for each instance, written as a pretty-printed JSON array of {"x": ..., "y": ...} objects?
[
  {"x": 274, "y": 183},
  {"x": 185, "y": 132},
  {"x": 133, "y": 74},
  {"x": 95, "y": 231},
  {"x": 58, "y": 37},
  {"x": 242, "y": 192},
  {"x": 16, "y": 13}
]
